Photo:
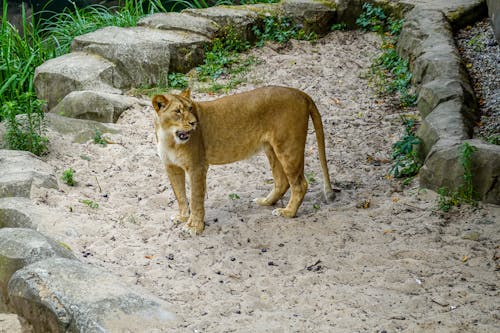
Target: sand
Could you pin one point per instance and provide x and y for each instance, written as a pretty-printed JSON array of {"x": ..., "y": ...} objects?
[{"x": 380, "y": 258}]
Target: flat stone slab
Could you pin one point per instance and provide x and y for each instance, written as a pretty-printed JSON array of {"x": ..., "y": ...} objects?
[
  {"x": 63, "y": 295},
  {"x": 143, "y": 54},
  {"x": 74, "y": 71},
  {"x": 19, "y": 212},
  {"x": 94, "y": 105},
  {"x": 314, "y": 16},
  {"x": 20, "y": 247},
  {"x": 80, "y": 129},
  {"x": 180, "y": 21},
  {"x": 20, "y": 171}
]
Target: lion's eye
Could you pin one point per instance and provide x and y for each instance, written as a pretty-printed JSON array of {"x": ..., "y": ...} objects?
[{"x": 178, "y": 111}]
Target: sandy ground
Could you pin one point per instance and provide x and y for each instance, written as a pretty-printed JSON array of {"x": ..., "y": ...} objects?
[{"x": 381, "y": 258}]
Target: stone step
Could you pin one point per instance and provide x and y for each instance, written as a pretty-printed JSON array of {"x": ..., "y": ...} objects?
[
  {"x": 57, "y": 77},
  {"x": 64, "y": 295},
  {"x": 180, "y": 21},
  {"x": 145, "y": 55},
  {"x": 20, "y": 171}
]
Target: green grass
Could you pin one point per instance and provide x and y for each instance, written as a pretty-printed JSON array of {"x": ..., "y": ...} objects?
[{"x": 68, "y": 177}]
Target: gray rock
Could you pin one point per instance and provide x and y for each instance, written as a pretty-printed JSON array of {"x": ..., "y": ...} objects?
[
  {"x": 494, "y": 13},
  {"x": 20, "y": 247},
  {"x": 179, "y": 21},
  {"x": 18, "y": 212},
  {"x": 93, "y": 105},
  {"x": 20, "y": 171},
  {"x": 447, "y": 121},
  {"x": 241, "y": 21},
  {"x": 81, "y": 130},
  {"x": 57, "y": 77},
  {"x": 145, "y": 56},
  {"x": 314, "y": 16},
  {"x": 442, "y": 168},
  {"x": 62, "y": 295}
]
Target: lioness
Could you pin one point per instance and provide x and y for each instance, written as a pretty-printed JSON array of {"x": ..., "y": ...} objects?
[{"x": 192, "y": 135}]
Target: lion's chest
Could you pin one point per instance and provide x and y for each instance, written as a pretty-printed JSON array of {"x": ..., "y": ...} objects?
[{"x": 167, "y": 154}]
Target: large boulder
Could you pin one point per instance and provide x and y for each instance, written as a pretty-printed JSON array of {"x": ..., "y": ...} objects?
[
  {"x": 20, "y": 247},
  {"x": 240, "y": 21},
  {"x": 63, "y": 295},
  {"x": 20, "y": 171},
  {"x": 145, "y": 56},
  {"x": 94, "y": 105},
  {"x": 314, "y": 16},
  {"x": 57, "y": 77},
  {"x": 443, "y": 168},
  {"x": 494, "y": 13},
  {"x": 18, "y": 212},
  {"x": 180, "y": 21}
]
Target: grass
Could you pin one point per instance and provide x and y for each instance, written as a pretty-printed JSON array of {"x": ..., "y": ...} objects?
[
  {"x": 465, "y": 193},
  {"x": 99, "y": 139},
  {"x": 92, "y": 204},
  {"x": 68, "y": 177}
]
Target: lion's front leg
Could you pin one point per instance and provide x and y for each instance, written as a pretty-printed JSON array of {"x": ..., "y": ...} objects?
[
  {"x": 196, "y": 222},
  {"x": 178, "y": 181}
]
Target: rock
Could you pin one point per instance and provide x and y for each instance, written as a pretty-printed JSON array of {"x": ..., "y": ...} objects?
[
  {"x": 20, "y": 171},
  {"x": 63, "y": 295},
  {"x": 314, "y": 16},
  {"x": 143, "y": 55},
  {"x": 82, "y": 130},
  {"x": 94, "y": 105},
  {"x": 241, "y": 21},
  {"x": 20, "y": 247},
  {"x": 442, "y": 168},
  {"x": 439, "y": 91},
  {"x": 179, "y": 21},
  {"x": 494, "y": 13},
  {"x": 57, "y": 77},
  {"x": 18, "y": 212}
]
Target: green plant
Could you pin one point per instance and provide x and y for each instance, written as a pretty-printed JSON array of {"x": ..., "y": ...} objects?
[
  {"x": 338, "y": 26},
  {"x": 99, "y": 139},
  {"x": 372, "y": 18},
  {"x": 465, "y": 192},
  {"x": 493, "y": 139},
  {"x": 406, "y": 162},
  {"x": 92, "y": 204},
  {"x": 177, "y": 80},
  {"x": 67, "y": 177},
  {"x": 310, "y": 177},
  {"x": 233, "y": 196},
  {"x": 281, "y": 30}
]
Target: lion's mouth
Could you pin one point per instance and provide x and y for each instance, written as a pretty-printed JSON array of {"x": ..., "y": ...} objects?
[{"x": 183, "y": 135}]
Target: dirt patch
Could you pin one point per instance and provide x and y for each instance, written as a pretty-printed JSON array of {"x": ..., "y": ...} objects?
[{"x": 380, "y": 258}]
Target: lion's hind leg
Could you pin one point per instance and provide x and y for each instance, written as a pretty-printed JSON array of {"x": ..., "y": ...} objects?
[{"x": 281, "y": 184}]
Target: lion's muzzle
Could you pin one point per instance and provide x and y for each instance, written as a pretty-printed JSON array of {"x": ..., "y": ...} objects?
[{"x": 183, "y": 136}]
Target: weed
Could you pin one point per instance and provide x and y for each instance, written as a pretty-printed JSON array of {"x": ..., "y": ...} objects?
[
  {"x": 476, "y": 43},
  {"x": 465, "y": 192},
  {"x": 234, "y": 196},
  {"x": 372, "y": 19},
  {"x": 310, "y": 177},
  {"x": 281, "y": 30},
  {"x": 493, "y": 139},
  {"x": 92, "y": 204},
  {"x": 67, "y": 177},
  {"x": 177, "y": 80},
  {"x": 406, "y": 162},
  {"x": 338, "y": 26},
  {"x": 99, "y": 139}
]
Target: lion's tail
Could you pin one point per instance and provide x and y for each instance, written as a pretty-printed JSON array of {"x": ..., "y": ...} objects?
[{"x": 320, "y": 138}]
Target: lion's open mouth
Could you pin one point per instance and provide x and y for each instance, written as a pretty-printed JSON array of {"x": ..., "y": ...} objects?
[{"x": 183, "y": 135}]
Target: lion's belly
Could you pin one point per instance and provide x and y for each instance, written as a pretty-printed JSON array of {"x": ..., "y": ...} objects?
[{"x": 229, "y": 151}]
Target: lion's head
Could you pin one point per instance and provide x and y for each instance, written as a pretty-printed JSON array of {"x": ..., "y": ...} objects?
[{"x": 175, "y": 115}]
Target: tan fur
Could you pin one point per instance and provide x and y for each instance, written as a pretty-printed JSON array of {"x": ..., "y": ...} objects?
[{"x": 192, "y": 135}]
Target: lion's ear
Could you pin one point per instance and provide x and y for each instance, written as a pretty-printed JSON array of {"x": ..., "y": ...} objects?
[
  {"x": 186, "y": 93},
  {"x": 159, "y": 102}
]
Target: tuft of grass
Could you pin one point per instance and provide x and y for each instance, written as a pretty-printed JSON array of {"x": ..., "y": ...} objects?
[
  {"x": 338, "y": 27},
  {"x": 465, "y": 193},
  {"x": 99, "y": 139},
  {"x": 68, "y": 177},
  {"x": 234, "y": 196},
  {"x": 92, "y": 204}
]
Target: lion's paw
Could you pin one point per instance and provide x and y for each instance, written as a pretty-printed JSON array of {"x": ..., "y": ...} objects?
[
  {"x": 194, "y": 228},
  {"x": 282, "y": 212},
  {"x": 178, "y": 219},
  {"x": 262, "y": 202}
]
